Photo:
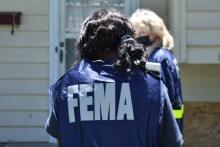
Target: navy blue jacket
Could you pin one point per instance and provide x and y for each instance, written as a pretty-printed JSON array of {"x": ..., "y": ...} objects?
[
  {"x": 93, "y": 105},
  {"x": 171, "y": 78},
  {"x": 169, "y": 74}
]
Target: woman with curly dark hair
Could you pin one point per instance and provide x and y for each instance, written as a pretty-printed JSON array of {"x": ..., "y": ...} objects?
[
  {"x": 110, "y": 99},
  {"x": 109, "y": 35}
]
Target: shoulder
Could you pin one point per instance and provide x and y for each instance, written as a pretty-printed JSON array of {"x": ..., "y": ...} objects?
[
  {"x": 66, "y": 78},
  {"x": 161, "y": 54},
  {"x": 76, "y": 74}
]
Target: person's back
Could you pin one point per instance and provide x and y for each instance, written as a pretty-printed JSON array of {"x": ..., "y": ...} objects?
[
  {"x": 103, "y": 108},
  {"x": 112, "y": 102}
]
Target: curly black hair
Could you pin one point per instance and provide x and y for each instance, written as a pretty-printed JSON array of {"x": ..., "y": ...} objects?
[{"x": 105, "y": 32}]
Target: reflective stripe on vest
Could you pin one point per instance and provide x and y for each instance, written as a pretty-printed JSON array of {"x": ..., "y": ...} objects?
[{"x": 178, "y": 113}]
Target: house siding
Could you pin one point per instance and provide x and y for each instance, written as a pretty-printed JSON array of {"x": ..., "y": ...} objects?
[
  {"x": 201, "y": 78},
  {"x": 24, "y": 74},
  {"x": 203, "y": 31},
  {"x": 201, "y": 82}
]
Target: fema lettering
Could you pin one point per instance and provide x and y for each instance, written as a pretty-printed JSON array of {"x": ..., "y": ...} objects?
[{"x": 103, "y": 102}]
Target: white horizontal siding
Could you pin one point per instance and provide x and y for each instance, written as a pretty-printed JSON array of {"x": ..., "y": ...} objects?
[
  {"x": 201, "y": 82},
  {"x": 203, "y": 55},
  {"x": 24, "y": 39},
  {"x": 202, "y": 86},
  {"x": 203, "y": 31},
  {"x": 199, "y": 71},
  {"x": 203, "y": 37},
  {"x": 24, "y": 55},
  {"x": 23, "y": 86},
  {"x": 24, "y": 103},
  {"x": 24, "y": 71},
  {"x": 203, "y": 20},
  {"x": 203, "y": 5},
  {"x": 23, "y": 119},
  {"x": 23, "y": 134},
  {"x": 30, "y": 7},
  {"x": 24, "y": 74}
]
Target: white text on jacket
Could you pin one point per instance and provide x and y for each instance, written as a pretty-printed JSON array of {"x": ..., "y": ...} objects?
[{"x": 103, "y": 103}]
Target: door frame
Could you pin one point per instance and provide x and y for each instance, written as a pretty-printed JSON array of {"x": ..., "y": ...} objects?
[
  {"x": 54, "y": 25},
  {"x": 178, "y": 28}
]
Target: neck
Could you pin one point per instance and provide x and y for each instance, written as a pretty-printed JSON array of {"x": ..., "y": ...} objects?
[
  {"x": 150, "y": 49},
  {"x": 107, "y": 56}
]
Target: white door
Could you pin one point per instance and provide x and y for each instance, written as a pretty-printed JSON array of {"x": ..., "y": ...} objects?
[{"x": 72, "y": 14}]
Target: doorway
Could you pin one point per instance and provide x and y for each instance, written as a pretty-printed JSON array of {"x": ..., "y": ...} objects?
[{"x": 72, "y": 14}]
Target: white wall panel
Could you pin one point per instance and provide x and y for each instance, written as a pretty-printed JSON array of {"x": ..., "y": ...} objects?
[
  {"x": 23, "y": 134},
  {"x": 24, "y": 71},
  {"x": 203, "y": 55},
  {"x": 200, "y": 82},
  {"x": 203, "y": 5},
  {"x": 24, "y": 102},
  {"x": 201, "y": 37},
  {"x": 24, "y": 39},
  {"x": 24, "y": 55},
  {"x": 23, "y": 119},
  {"x": 22, "y": 86},
  {"x": 203, "y": 20}
]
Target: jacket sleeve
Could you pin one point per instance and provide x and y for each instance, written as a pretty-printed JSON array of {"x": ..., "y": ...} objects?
[
  {"x": 52, "y": 121},
  {"x": 169, "y": 77},
  {"x": 170, "y": 135}
]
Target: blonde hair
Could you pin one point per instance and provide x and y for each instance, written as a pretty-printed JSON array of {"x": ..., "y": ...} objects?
[{"x": 146, "y": 22}]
